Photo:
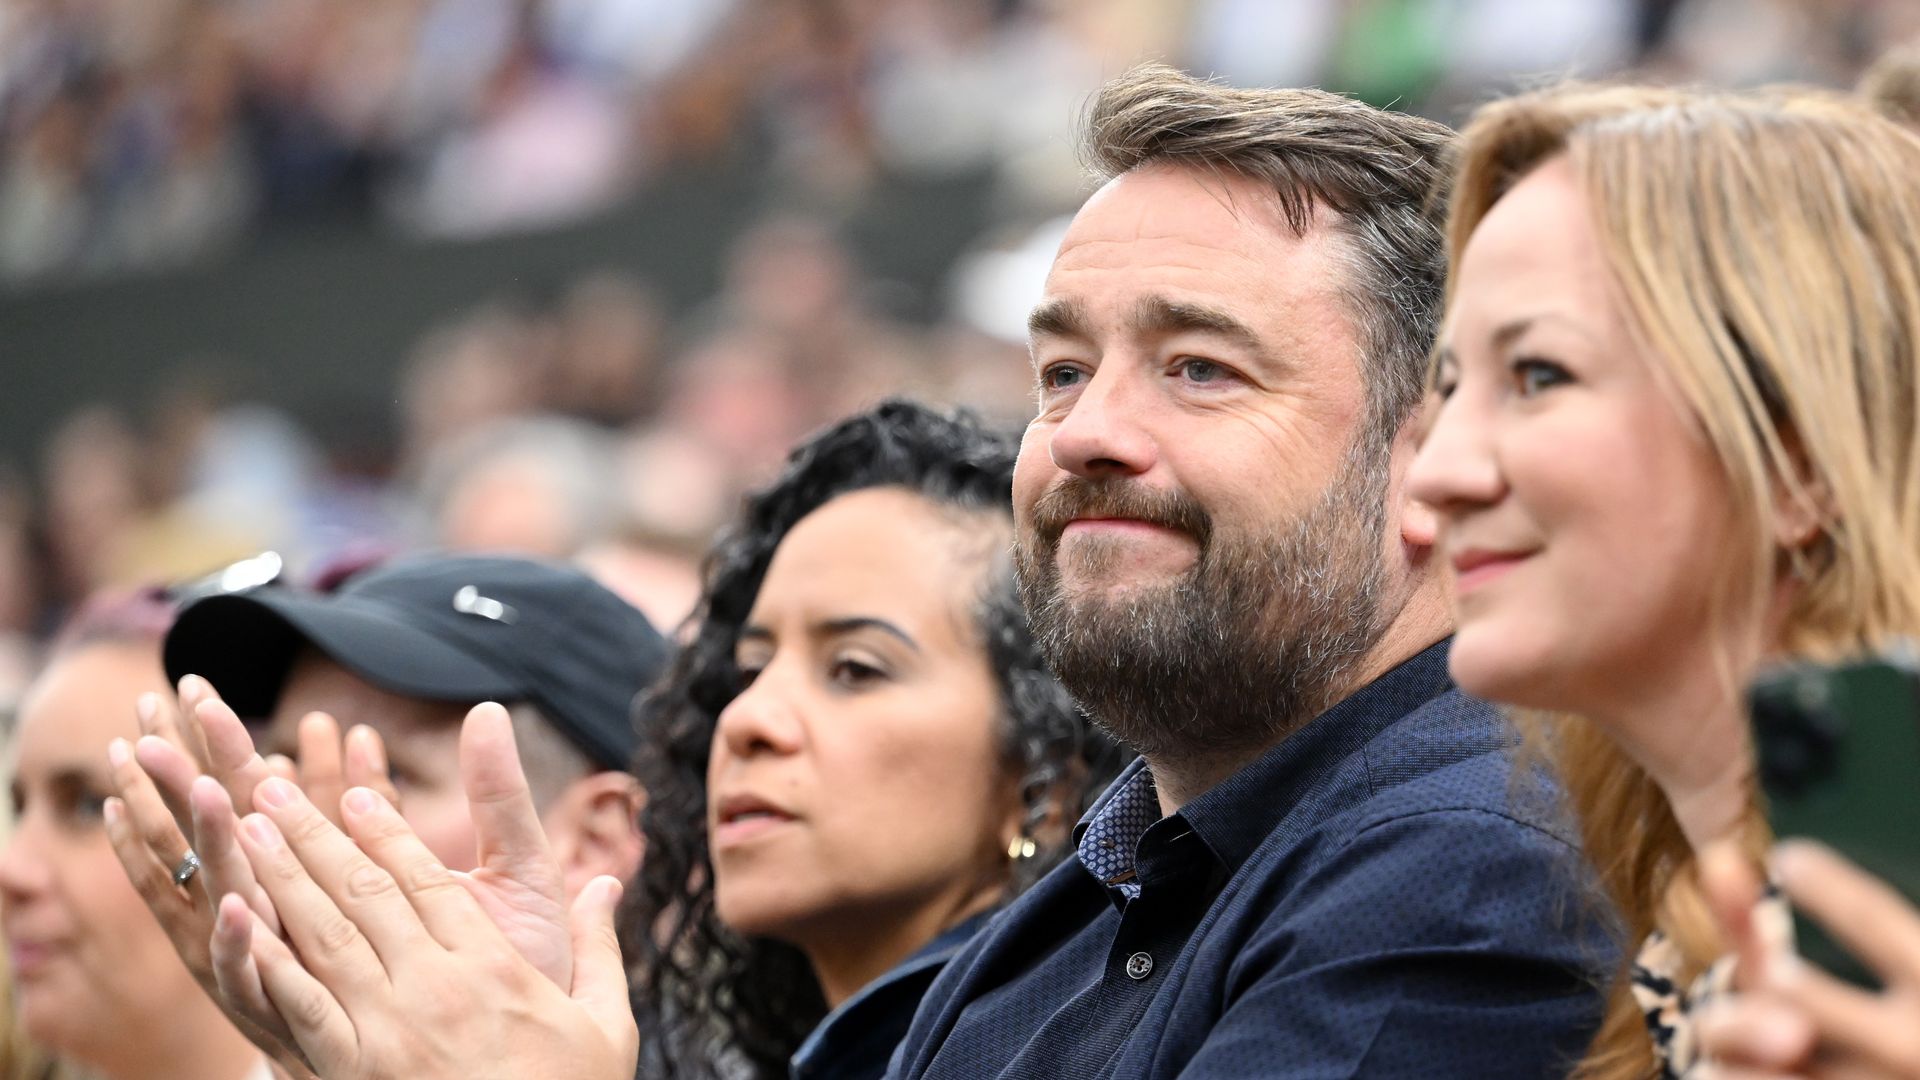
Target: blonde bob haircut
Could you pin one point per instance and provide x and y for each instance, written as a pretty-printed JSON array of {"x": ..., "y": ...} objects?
[{"x": 1767, "y": 247}]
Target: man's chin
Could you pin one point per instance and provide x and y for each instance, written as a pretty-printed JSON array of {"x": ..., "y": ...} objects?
[{"x": 1107, "y": 592}]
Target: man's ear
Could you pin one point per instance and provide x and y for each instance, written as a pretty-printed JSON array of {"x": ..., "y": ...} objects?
[
  {"x": 594, "y": 828},
  {"x": 1419, "y": 525}
]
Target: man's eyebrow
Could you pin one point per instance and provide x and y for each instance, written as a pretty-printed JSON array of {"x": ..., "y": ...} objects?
[
  {"x": 1058, "y": 318},
  {"x": 1159, "y": 315}
]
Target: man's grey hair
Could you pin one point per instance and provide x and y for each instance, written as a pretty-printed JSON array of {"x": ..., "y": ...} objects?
[{"x": 1378, "y": 171}]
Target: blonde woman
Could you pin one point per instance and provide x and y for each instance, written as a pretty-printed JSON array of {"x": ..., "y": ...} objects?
[{"x": 1675, "y": 440}]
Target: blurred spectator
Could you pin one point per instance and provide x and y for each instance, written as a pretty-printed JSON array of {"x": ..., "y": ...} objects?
[
  {"x": 464, "y": 376},
  {"x": 607, "y": 359},
  {"x": 538, "y": 485},
  {"x": 1892, "y": 84},
  {"x": 95, "y": 497},
  {"x": 21, "y": 592}
]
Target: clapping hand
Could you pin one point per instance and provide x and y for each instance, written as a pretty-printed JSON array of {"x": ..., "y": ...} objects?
[{"x": 392, "y": 966}]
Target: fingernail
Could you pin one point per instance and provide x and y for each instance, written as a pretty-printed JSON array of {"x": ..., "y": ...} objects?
[
  {"x": 262, "y": 831},
  {"x": 189, "y": 684},
  {"x": 360, "y": 801},
  {"x": 113, "y": 809},
  {"x": 147, "y": 707},
  {"x": 275, "y": 792},
  {"x": 119, "y": 753}
]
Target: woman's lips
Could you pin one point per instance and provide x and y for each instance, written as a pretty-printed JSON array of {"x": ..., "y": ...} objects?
[
  {"x": 1474, "y": 569},
  {"x": 30, "y": 958},
  {"x": 744, "y": 817},
  {"x": 746, "y": 828}
]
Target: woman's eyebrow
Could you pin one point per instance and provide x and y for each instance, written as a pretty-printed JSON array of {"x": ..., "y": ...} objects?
[{"x": 832, "y": 627}]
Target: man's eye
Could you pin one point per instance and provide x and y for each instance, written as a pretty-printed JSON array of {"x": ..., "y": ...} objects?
[
  {"x": 1531, "y": 376},
  {"x": 1061, "y": 376},
  {"x": 1201, "y": 371}
]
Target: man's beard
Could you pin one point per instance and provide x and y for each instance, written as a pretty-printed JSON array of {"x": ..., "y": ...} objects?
[{"x": 1251, "y": 642}]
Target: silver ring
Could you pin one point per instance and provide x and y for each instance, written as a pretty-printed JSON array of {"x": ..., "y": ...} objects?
[{"x": 188, "y": 867}]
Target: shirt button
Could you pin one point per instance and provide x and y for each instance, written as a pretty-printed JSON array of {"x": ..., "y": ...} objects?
[{"x": 1139, "y": 966}]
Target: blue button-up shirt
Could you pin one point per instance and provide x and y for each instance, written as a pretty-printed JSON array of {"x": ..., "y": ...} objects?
[{"x": 1379, "y": 895}]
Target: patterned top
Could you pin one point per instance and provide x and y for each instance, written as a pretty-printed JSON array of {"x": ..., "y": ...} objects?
[
  {"x": 1108, "y": 847},
  {"x": 1669, "y": 1008}
]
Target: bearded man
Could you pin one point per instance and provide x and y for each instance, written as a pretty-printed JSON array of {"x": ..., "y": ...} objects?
[{"x": 1323, "y": 864}]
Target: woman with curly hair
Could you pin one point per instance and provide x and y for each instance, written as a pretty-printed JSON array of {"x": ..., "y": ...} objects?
[{"x": 855, "y": 760}]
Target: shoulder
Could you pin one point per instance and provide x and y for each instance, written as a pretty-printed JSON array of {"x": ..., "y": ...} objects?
[
  {"x": 1454, "y": 765},
  {"x": 1454, "y": 834}
]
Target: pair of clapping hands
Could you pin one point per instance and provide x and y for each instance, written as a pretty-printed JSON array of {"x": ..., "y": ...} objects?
[
  {"x": 357, "y": 953},
  {"x": 1790, "y": 1019}
]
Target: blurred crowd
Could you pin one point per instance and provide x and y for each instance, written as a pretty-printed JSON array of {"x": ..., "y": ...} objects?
[
  {"x": 582, "y": 424},
  {"x": 591, "y": 421},
  {"x": 139, "y": 133}
]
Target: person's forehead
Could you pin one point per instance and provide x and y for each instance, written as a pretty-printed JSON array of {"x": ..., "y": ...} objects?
[
  {"x": 318, "y": 683},
  {"x": 881, "y": 552},
  {"x": 1536, "y": 252},
  {"x": 84, "y": 700},
  {"x": 1188, "y": 234}
]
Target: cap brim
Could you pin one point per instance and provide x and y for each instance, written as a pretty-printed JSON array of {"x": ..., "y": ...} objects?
[{"x": 245, "y": 646}]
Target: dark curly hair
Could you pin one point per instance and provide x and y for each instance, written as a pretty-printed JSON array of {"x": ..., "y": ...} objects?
[{"x": 712, "y": 1002}]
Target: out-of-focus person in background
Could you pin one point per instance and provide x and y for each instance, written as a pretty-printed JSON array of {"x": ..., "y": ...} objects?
[
  {"x": 1892, "y": 84},
  {"x": 400, "y": 651},
  {"x": 855, "y": 760},
  {"x": 541, "y": 486},
  {"x": 406, "y": 648},
  {"x": 1675, "y": 441},
  {"x": 94, "y": 979}
]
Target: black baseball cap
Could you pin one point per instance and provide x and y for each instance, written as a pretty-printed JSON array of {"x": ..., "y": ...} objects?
[{"x": 455, "y": 628}]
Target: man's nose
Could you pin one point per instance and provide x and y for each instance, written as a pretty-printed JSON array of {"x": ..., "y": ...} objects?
[{"x": 1108, "y": 429}]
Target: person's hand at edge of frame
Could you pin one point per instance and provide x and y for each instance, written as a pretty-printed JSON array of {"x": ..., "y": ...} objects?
[{"x": 1796, "y": 1020}]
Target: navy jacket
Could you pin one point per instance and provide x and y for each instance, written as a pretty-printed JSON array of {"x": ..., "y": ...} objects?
[
  {"x": 1378, "y": 895},
  {"x": 856, "y": 1040}
]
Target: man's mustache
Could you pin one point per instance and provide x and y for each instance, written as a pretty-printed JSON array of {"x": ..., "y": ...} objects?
[{"x": 1075, "y": 497}]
